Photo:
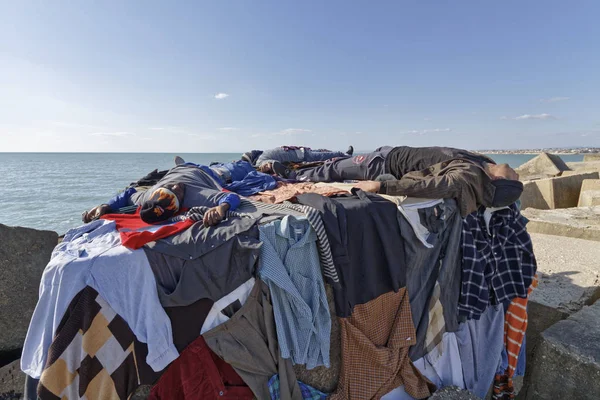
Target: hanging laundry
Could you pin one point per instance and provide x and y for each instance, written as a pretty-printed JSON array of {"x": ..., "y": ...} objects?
[
  {"x": 94, "y": 355},
  {"x": 92, "y": 255},
  {"x": 442, "y": 369},
  {"x": 480, "y": 343},
  {"x": 367, "y": 249},
  {"x": 199, "y": 374},
  {"x": 289, "y": 264},
  {"x": 375, "y": 341},
  {"x": 308, "y": 392},
  {"x": 204, "y": 262},
  {"x": 431, "y": 267},
  {"x": 498, "y": 264},
  {"x": 248, "y": 342}
]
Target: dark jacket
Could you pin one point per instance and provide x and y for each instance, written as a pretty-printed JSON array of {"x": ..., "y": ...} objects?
[
  {"x": 404, "y": 159},
  {"x": 460, "y": 179}
]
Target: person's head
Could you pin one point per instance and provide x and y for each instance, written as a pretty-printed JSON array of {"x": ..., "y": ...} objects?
[
  {"x": 501, "y": 171},
  {"x": 163, "y": 203},
  {"x": 507, "y": 187}
]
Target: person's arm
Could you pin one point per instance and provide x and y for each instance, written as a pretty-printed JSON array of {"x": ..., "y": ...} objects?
[
  {"x": 216, "y": 214},
  {"x": 464, "y": 185},
  {"x": 231, "y": 199},
  {"x": 123, "y": 199}
]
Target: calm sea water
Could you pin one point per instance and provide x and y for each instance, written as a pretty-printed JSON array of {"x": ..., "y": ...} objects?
[{"x": 51, "y": 190}]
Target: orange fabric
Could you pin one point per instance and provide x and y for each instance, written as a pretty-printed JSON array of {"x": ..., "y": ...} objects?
[
  {"x": 288, "y": 191},
  {"x": 515, "y": 325}
]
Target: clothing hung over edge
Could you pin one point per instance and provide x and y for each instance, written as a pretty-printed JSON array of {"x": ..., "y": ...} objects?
[{"x": 289, "y": 265}]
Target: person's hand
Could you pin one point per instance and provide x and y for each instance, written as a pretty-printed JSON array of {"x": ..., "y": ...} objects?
[
  {"x": 95, "y": 213},
  {"x": 368, "y": 186},
  {"x": 215, "y": 215}
]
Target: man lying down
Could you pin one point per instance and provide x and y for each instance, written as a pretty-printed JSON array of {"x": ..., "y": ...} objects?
[
  {"x": 183, "y": 187},
  {"x": 427, "y": 172}
]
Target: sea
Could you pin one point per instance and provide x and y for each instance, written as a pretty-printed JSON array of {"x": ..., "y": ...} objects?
[{"x": 49, "y": 191}]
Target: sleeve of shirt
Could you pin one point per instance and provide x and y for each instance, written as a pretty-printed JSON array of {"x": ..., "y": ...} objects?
[
  {"x": 123, "y": 199},
  {"x": 232, "y": 199}
]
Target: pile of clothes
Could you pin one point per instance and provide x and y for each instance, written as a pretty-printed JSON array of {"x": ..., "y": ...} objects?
[{"x": 424, "y": 298}]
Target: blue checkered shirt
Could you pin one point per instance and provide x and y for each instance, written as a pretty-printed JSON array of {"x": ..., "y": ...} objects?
[
  {"x": 289, "y": 264},
  {"x": 498, "y": 264}
]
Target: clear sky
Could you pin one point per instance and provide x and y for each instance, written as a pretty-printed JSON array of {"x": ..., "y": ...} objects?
[{"x": 220, "y": 76}]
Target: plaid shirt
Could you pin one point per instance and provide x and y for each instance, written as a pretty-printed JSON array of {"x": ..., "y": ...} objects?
[
  {"x": 498, "y": 261},
  {"x": 308, "y": 392}
]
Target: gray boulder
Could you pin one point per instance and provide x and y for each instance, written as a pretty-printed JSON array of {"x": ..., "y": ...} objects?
[
  {"x": 24, "y": 253},
  {"x": 566, "y": 364},
  {"x": 12, "y": 381}
]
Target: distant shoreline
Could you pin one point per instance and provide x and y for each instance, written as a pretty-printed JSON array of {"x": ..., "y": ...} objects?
[{"x": 535, "y": 152}]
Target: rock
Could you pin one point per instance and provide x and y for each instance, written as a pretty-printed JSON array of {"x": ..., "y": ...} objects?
[
  {"x": 579, "y": 167},
  {"x": 567, "y": 363},
  {"x": 453, "y": 393},
  {"x": 12, "y": 381},
  {"x": 24, "y": 254},
  {"x": 544, "y": 165},
  {"x": 577, "y": 222},
  {"x": 569, "y": 279},
  {"x": 551, "y": 193},
  {"x": 590, "y": 193},
  {"x": 142, "y": 392},
  {"x": 591, "y": 157}
]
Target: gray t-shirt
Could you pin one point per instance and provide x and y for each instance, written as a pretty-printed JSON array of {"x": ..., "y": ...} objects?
[{"x": 200, "y": 188}]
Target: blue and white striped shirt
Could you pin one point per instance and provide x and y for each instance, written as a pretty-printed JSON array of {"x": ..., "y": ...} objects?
[{"x": 289, "y": 264}]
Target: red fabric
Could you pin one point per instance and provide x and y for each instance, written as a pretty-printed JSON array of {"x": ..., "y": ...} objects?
[
  {"x": 199, "y": 374},
  {"x": 128, "y": 226}
]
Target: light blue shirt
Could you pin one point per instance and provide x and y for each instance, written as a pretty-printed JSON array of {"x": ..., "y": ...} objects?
[
  {"x": 92, "y": 255},
  {"x": 289, "y": 264}
]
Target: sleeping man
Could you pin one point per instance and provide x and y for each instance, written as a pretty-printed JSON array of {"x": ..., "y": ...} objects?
[{"x": 183, "y": 187}]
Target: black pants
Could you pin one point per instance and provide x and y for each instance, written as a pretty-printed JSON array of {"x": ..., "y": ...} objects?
[{"x": 360, "y": 167}]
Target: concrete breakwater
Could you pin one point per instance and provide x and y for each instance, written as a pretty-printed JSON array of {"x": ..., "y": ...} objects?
[{"x": 563, "y": 360}]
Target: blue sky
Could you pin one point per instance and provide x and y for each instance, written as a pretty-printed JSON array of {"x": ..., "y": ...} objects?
[{"x": 234, "y": 75}]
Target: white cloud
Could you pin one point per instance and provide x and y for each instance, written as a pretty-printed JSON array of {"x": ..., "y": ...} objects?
[
  {"x": 534, "y": 116},
  {"x": 112, "y": 134},
  {"x": 221, "y": 96},
  {"x": 437, "y": 130},
  {"x": 228, "y": 129},
  {"x": 293, "y": 131},
  {"x": 285, "y": 132},
  {"x": 203, "y": 136},
  {"x": 554, "y": 99},
  {"x": 425, "y": 131}
]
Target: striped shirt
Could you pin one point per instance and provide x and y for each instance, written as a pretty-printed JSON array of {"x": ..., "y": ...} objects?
[
  {"x": 498, "y": 264},
  {"x": 289, "y": 264}
]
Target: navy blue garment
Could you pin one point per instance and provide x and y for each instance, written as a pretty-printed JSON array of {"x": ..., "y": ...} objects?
[
  {"x": 252, "y": 183},
  {"x": 498, "y": 264}
]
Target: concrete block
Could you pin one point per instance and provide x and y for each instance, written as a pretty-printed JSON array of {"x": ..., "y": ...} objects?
[
  {"x": 545, "y": 164},
  {"x": 589, "y": 198},
  {"x": 24, "y": 253},
  {"x": 12, "y": 381},
  {"x": 591, "y": 157},
  {"x": 590, "y": 193},
  {"x": 577, "y": 222},
  {"x": 567, "y": 363},
  {"x": 585, "y": 166},
  {"x": 569, "y": 279},
  {"x": 453, "y": 393},
  {"x": 557, "y": 192}
]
